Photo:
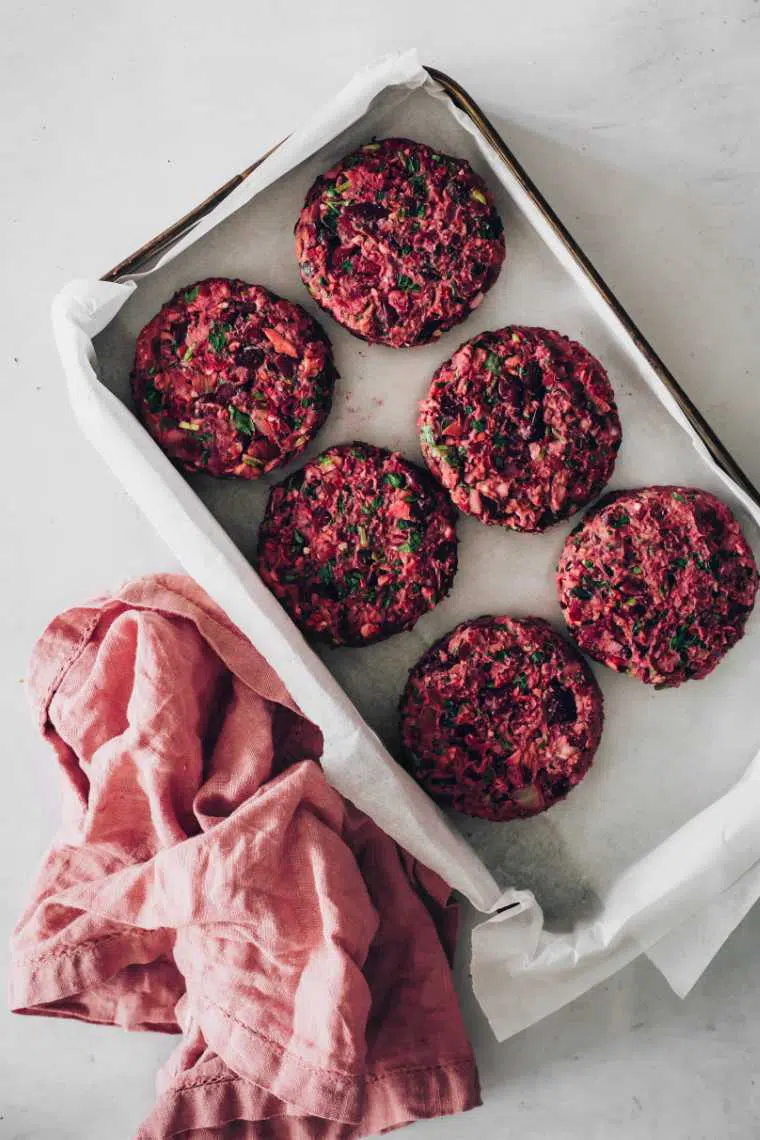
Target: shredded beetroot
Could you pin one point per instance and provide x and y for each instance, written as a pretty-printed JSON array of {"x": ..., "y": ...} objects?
[
  {"x": 657, "y": 583},
  {"x": 231, "y": 380},
  {"x": 520, "y": 426},
  {"x": 398, "y": 242},
  {"x": 358, "y": 544},
  {"x": 501, "y": 718}
]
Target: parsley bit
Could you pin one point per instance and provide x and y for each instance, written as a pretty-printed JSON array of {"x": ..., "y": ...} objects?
[
  {"x": 217, "y": 338},
  {"x": 154, "y": 398},
  {"x": 393, "y": 479},
  {"x": 241, "y": 420}
]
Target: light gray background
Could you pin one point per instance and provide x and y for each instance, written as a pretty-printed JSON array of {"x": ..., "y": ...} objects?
[{"x": 641, "y": 122}]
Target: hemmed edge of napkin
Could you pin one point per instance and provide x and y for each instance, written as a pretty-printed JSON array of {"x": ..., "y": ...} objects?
[
  {"x": 49, "y": 984},
  {"x": 392, "y": 1097}
]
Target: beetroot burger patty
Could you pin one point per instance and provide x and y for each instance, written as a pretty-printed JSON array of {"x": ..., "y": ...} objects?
[
  {"x": 520, "y": 426},
  {"x": 358, "y": 544},
  {"x": 500, "y": 718},
  {"x": 398, "y": 242},
  {"x": 231, "y": 380},
  {"x": 657, "y": 583}
]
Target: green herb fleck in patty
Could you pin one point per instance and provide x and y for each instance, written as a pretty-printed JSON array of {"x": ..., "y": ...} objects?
[
  {"x": 395, "y": 480},
  {"x": 153, "y": 397},
  {"x": 241, "y": 420},
  {"x": 217, "y": 338}
]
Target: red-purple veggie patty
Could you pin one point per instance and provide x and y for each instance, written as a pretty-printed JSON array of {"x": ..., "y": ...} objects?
[
  {"x": 500, "y": 718},
  {"x": 399, "y": 242},
  {"x": 358, "y": 544},
  {"x": 230, "y": 379},
  {"x": 521, "y": 428},
  {"x": 657, "y": 583}
]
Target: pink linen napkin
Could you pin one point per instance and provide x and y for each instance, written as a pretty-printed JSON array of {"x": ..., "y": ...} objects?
[{"x": 208, "y": 881}]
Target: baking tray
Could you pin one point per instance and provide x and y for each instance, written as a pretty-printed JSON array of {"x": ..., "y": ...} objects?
[
  {"x": 147, "y": 253},
  {"x": 635, "y": 797}
]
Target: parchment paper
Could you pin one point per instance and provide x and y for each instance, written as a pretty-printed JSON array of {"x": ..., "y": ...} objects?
[{"x": 659, "y": 828}]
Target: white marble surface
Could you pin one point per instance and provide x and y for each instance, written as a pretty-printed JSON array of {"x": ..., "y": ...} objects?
[{"x": 641, "y": 121}]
